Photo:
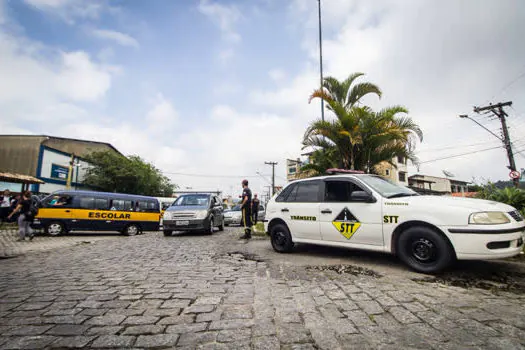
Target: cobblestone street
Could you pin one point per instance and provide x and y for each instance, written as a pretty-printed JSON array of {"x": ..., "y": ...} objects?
[{"x": 216, "y": 292}]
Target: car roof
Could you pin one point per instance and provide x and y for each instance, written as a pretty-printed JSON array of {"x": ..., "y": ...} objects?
[{"x": 339, "y": 176}]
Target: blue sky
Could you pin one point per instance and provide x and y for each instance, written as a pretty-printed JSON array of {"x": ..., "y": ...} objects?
[{"x": 218, "y": 87}]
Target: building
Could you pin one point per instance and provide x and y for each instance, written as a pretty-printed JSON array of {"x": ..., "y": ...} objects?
[
  {"x": 293, "y": 168},
  {"x": 436, "y": 185},
  {"x": 396, "y": 172},
  {"x": 47, "y": 158}
]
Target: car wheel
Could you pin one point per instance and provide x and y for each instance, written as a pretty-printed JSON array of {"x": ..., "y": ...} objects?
[
  {"x": 132, "y": 230},
  {"x": 281, "y": 239},
  {"x": 424, "y": 250},
  {"x": 167, "y": 233},
  {"x": 55, "y": 228},
  {"x": 209, "y": 230},
  {"x": 221, "y": 226}
]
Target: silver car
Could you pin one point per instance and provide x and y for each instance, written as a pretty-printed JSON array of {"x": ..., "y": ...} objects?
[{"x": 233, "y": 216}]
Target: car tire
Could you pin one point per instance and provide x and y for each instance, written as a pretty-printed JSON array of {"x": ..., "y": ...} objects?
[
  {"x": 167, "y": 233},
  {"x": 55, "y": 228},
  {"x": 221, "y": 226},
  {"x": 281, "y": 239},
  {"x": 209, "y": 230},
  {"x": 424, "y": 250},
  {"x": 132, "y": 230}
]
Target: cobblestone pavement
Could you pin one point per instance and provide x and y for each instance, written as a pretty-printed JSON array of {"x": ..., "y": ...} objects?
[
  {"x": 209, "y": 292},
  {"x": 10, "y": 247}
]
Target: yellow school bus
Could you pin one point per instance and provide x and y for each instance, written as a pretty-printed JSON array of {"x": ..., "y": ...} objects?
[{"x": 66, "y": 211}]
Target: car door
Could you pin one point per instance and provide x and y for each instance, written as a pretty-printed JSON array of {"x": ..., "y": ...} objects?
[
  {"x": 301, "y": 210},
  {"x": 346, "y": 217},
  {"x": 217, "y": 210}
]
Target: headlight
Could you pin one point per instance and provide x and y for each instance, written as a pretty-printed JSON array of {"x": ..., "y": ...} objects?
[
  {"x": 201, "y": 214},
  {"x": 488, "y": 218}
]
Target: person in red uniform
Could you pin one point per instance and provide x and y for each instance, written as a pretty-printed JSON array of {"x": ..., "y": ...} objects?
[{"x": 246, "y": 206}]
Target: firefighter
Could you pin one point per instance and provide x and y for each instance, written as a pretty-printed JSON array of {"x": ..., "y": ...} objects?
[{"x": 246, "y": 206}]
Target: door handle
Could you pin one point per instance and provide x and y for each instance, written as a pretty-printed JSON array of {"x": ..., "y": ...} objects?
[
  {"x": 326, "y": 211},
  {"x": 285, "y": 210},
  {"x": 68, "y": 211}
]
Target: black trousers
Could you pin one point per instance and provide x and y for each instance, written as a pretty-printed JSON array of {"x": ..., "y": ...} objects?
[
  {"x": 255, "y": 216},
  {"x": 247, "y": 218}
]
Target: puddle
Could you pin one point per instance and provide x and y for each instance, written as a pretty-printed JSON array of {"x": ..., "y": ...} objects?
[
  {"x": 499, "y": 281},
  {"x": 240, "y": 256},
  {"x": 346, "y": 269}
]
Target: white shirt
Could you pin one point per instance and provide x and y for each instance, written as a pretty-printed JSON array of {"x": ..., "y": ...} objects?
[{"x": 5, "y": 202}]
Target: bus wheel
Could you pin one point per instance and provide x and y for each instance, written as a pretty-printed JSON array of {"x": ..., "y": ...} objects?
[
  {"x": 131, "y": 230},
  {"x": 55, "y": 228}
]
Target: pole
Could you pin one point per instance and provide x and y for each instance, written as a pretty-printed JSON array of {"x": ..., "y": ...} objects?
[
  {"x": 321, "y": 58},
  {"x": 76, "y": 175},
  {"x": 497, "y": 109},
  {"x": 70, "y": 172},
  {"x": 273, "y": 164}
]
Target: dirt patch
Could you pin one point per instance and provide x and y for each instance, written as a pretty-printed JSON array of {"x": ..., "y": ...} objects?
[
  {"x": 346, "y": 269},
  {"x": 240, "y": 256},
  {"x": 499, "y": 281}
]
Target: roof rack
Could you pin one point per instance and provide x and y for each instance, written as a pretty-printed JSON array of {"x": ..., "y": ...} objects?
[{"x": 336, "y": 171}]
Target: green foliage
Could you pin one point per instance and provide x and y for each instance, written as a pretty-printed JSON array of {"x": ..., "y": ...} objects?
[
  {"x": 509, "y": 195},
  {"x": 112, "y": 172},
  {"x": 360, "y": 138}
]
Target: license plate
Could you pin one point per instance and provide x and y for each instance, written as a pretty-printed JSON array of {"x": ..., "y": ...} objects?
[{"x": 182, "y": 223}]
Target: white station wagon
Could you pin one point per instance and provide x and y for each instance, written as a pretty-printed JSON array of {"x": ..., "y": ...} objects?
[{"x": 368, "y": 212}]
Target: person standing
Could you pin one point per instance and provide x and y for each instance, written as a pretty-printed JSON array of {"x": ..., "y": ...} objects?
[
  {"x": 24, "y": 220},
  {"x": 5, "y": 205},
  {"x": 246, "y": 206},
  {"x": 255, "y": 209}
]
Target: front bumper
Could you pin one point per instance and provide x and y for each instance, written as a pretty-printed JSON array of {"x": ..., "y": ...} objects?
[
  {"x": 185, "y": 225},
  {"x": 487, "y": 242},
  {"x": 232, "y": 220}
]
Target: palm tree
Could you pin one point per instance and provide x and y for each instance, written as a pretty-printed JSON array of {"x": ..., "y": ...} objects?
[{"x": 360, "y": 139}]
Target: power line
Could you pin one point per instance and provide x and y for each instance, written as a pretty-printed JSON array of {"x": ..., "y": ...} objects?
[
  {"x": 455, "y": 146},
  {"x": 460, "y": 155},
  {"x": 505, "y": 87},
  {"x": 212, "y": 176}
]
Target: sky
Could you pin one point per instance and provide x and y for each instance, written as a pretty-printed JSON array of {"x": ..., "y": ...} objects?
[{"x": 210, "y": 90}]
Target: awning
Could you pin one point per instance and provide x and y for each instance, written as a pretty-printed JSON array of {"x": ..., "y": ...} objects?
[{"x": 19, "y": 178}]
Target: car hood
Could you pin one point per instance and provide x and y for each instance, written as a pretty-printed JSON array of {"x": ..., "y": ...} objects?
[
  {"x": 187, "y": 208},
  {"x": 458, "y": 202}
]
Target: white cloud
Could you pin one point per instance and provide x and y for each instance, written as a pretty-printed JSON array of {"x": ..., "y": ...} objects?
[
  {"x": 70, "y": 10},
  {"x": 162, "y": 117},
  {"x": 118, "y": 37},
  {"x": 277, "y": 74},
  {"x": 224, "y": 16}
]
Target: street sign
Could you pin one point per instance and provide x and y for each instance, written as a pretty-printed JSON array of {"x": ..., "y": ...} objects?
[{"x": 514, "y": 174}]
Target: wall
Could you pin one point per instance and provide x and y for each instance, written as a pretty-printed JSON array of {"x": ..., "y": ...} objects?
[
  {"x": 53, "y": 160},
  {"x": 19, "y": 154}
]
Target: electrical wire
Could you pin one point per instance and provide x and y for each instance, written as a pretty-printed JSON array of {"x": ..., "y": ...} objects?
[
  {"x": 212, "y": 176},
  {"x": 459, "y": 155},
  {"x": 456, "y": 146}
]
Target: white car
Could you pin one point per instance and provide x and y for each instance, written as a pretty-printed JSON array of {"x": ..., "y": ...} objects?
[{"x": 368, "y": 212}]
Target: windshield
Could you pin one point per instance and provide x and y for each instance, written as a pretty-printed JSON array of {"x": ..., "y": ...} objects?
[
  {"x": 191, "y": 200},
  {"x": 386, "y": 188},
  {"x": 236, "y": 208}
]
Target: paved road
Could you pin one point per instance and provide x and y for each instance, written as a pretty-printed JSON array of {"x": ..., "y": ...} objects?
[{"x": 215, "y": 292}]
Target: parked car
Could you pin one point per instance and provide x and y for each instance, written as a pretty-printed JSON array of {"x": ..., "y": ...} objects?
[
  {"x": 428, "y": 233},
  {"x": 194, "y": 212},
  {"x": 233, "y": 216}
]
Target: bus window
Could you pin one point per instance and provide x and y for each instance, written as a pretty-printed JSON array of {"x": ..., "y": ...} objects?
[
  {"x": 122, "y": 205},
  {"x": 147, "y": 206},
  {"x": 93, "y": 203},
  {"x": 58, "y": 202}
]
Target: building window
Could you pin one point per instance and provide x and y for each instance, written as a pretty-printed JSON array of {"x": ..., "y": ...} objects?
[
  {"x": 402, "y": 176},
  {"x": 387, "y": 172},
  {"x": 400, "y": 160},
  {"x": 292, "y": 170}
]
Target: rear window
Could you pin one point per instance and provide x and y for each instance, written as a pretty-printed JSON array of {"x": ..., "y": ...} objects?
[{"x": 147, "y": 206}]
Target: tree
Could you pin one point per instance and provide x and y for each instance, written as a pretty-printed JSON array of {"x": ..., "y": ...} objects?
[
  {"x": 359, "y": 138},
  {"x": 112, "y": 172}
]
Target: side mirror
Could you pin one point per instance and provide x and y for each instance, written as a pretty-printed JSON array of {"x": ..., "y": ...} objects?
[{"x": 362, "y": 196}]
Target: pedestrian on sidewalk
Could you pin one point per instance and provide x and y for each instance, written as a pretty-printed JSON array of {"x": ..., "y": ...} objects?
[
  {"x": 255, "y": 209},
  {"x": 24, "y": 220},
  {"x": 5, "y": 205},
  {"x": 246, "y": 206}
]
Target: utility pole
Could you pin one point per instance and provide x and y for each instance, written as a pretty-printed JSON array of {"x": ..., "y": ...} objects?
[
  {"x": 273, "y": 164},
  {"x": 497, "y": 109},
  {"x": 321, "y": 57}
]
